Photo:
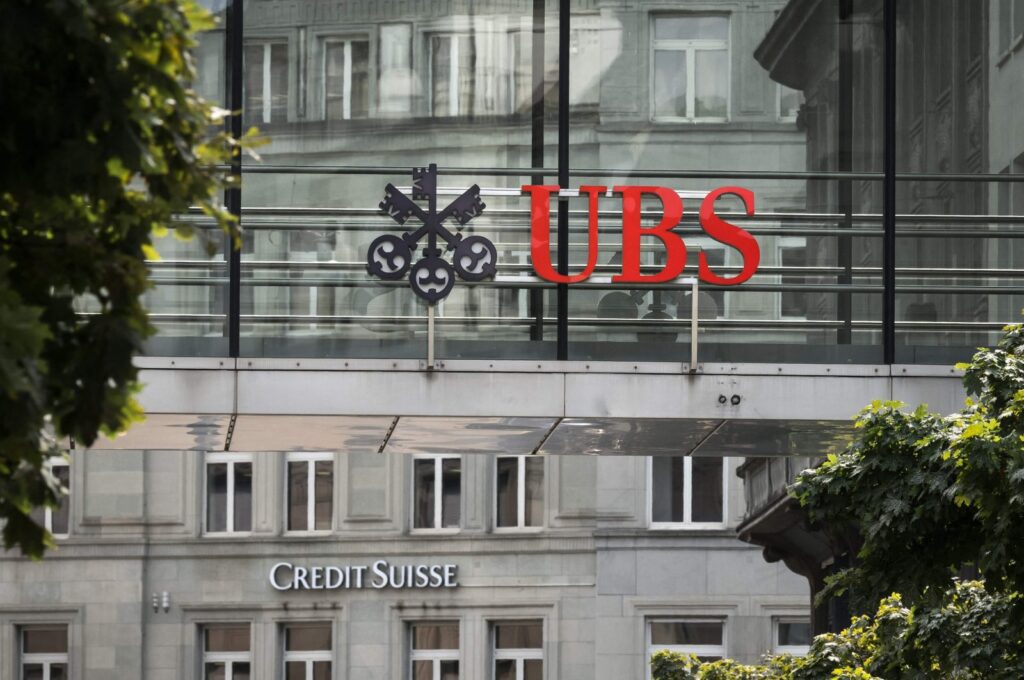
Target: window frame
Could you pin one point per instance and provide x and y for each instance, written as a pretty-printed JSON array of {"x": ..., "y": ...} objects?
[
  {"x": 221, "y": 457},
  {"x": 346, "y": 39},
  {"x": 454, "y": 93},
  {"x": 65, "y": 499},
  {"x": 266, "y": 105},
  {"x": 438, "y": 527},
  {"x": 698, "y": 650},
  {"x": 795, "y": 650},
  {"x": 687, "y": 522},
  {"x": 229, "y": 659},
  {"x": 778, "y": 104},
  {"x": 308, "y": 657},
  {"x": 690, "y": 47},
  {"x": 45, "y": 659},
  {"x": 310, "y": 458},
  {"x": 436, "y": 656},
  {"x": 519, "y": 654},
  {"x": 520, "y": 525}
]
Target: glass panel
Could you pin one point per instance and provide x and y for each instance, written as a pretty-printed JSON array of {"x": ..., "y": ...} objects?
[
  {"x": 360, "y": 79},
  {"x": 215, "y": 671},
  {"x": 533, "y": 669},
  {"x": 240, "y": 670},
  {"x": 324, "y": 490},
  {"x": 707, "y": 489},
  {"x": 519, "y": 635},
  {"x": 667, "y": 480},
  {"x": 451, "y": 490},
  {"x": 298, "y": 495},
  {"x": 711, "y": 97},
  {"x": 227, "y": 638},
  {"x": 217, "y": 497},
  {"x": 295, "y": 670},
  {"x": 670, "y": 84},
  {"x": 508, "y": 491},
  {"x": 534, "y": 491},
  {"x": 243, "y": 496},
  {"x": 691, "y": 28},
  {"x": 423, "y": 491},
  {"x": 321, "y": 670},
  {"x": 58, "y": 671},
  {"x": 60, "y": 516},
  {"x": 334, "y": 80},
  {"x": 450, "y": 670},
  {"x": 278, "y": 83},
  {"x": 253, "y": 60},
  {"x": 505, "y": 669},
  {"x": 686, "y": 633},
  {"x": 423, "y": 670},
  {"x": 794, "y": 633},
  {"x": 45, "y": 640},
  {"x": 32, "y": 671},
  {"x": 435, "y": 635},
  {"x": 312, "y": 637}
]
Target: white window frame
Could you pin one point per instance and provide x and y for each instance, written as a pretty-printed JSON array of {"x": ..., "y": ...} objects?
[
  {"x": 268, "y": 44},
  {"x": 691, "y": 47},
  {"x": 698, "y": 650},
  {"x": 688, "y": 522},
  {"x": 55, "y": 462},
  {"x": 346, "y": 87},
  {"x": 519, "y": 655},
  {"x": 435, "y": 656},
  {"x": 310, "y": 458},
  {"x": 795, "y": 650},
  {"x": 308, "y": 657},
  {"x": 453, "y": 75},
  {"x": 231, "y": 459},
  {"x": 521, "y": 524},
  {"x": 778, "y": 104},
  {"x": 46, "y": 660},
  {"x": 438, "y": 494}
]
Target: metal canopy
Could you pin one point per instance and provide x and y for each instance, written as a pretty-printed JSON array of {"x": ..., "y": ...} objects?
[{"x": 484, "y": 435}]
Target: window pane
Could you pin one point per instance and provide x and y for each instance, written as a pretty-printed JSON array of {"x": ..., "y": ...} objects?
[
  {"x": 298, "y": 495},
  {"x": 667, "y": 488},
  {"x": 324, "y": 490},
  {"x": 423, "y": 670},
  {"x": 215, "y": 671},
  {"x": 450, "y": 670},
  {"x": 451, "y": 488},
  {"x": 435, "y": 635},
  {"x": 505, "y": 669},
  {"x": 253, "y": 61},
  {"x": 686, "y": 633},
  {"x": 508, "y": 491},
  {"x": 520, "y": 635},
  {"x": 311, "y": 637},
  {"x": 321, "y": 670},
  {"x": 240, "y": 670},
  {"x": 794, "y": 633},
  {"x": 217, "y": 497},
  {"x": 45, "y": 640},
  {"x": 228, "y": 638},
  {"x": 60, "y": 515},
  {"x": 334, "y": 80},
  {"x": 789, "y": 102},
  {"x": 466, "y": 63},
  {"x": 58, "y": 671},
  {"x": 243, "y": 496},
  {"x": 278, "y": 83},
  {"x": 423, "y": 486},
  {"x": 670, "y": 84},
  {"x": 534, "y": 491},
  {"x": 1018, "y": 17},
  {"x": 707, "y": 489},
  {"x": 295, "y": 670},
  {"x": 691, "y": 28},
  {"x": 533, "y": 669},
  {"x": 32, "y": 671},
  {"x": 360, "y": 79},
  {"x": 440, "y": 75},
  {"x": 712, "y": 84}
]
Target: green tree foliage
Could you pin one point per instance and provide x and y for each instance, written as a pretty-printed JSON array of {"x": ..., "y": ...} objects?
[{"x": 102, "y": 141}]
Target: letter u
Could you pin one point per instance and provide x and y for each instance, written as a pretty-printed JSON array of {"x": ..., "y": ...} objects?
[{"x": 540, "y": 232}]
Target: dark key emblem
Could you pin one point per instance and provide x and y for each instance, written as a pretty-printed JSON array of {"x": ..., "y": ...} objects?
[{"x": 431, "y": 277}]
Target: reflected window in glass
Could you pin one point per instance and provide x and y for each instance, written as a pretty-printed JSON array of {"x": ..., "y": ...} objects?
[
  {"x": 346, "y": 79},
  {"x": 690, "y": 68},
  {"x": 266, "y": 82}
]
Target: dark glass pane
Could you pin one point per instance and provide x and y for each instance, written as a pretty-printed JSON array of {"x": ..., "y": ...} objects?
[
  {"x": 435, "y": 635},
  {"x": 298, "y": 495},
  {"x": 451, "y": 490},
  {"x": 60, "y": 516},
  {"x": 691, "y": 28},
  {"x": 215, "y": 671},
  {"x": 533, "y": 669},
  {"x": 450, "y": 670},
  {"x": 217, "y": 497},
  {"x": 519, "y": 635},
  {"x": 45, "y": 640},
  {"x": 707, "y": 489},
  {"x": 38, "y": 515},
  {"x": 686, "y": 633},
  {"x": 508, "y": 491},
  {"x": 423, "y": 670},
  {"x": 278, "y": 83},
  {"x": 227, "y": 638},
  {"x": 243, "y": 496},
  {"x": 308, "y": 637},
  {"x": 295, "y": 670},
  {"x": 441, "y": 76},
  {"x": 670, "y": 84},
  {"x": 323, "y": 488},
  {"x": 240, "y": 670},
  {"x": 505, "y": 669},
  {"x": 794, "y": 633},
  {"x": 423, "y": 492},
  {"x": 321, "y": 670},
  {"x": 253, "y": 60},
  {"x": 534, "y": 491},
  {"x": 360, "y": 79},
  {"x": 32, "y": 671},
  {"x": 334, "y": 80},
  {"x": 58, "y": 671},
  {"x": 667, "y": 488}
]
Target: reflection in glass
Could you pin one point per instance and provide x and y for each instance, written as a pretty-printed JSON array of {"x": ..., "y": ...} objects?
[
  {"x": 423, "y": 494},
  {"x": 451, "y": 489},
  {"x": 217, "y": 497},
  {"x": 534, "y": 511},
  {"x": 667, "y": 482},
  {"x": 711, "y": 97},
  {"x": 707, "y": 489},
  {"x": 298, "y": 485},
  {"x": 670, "y": 93},
  {"x": 243, "y": 496},
  {"x": 266, "y": 82},
  {"x": 346, "y": 79}
]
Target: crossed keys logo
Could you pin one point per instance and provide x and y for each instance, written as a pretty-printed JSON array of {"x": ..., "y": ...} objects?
[{"x": 432, "y": 278}]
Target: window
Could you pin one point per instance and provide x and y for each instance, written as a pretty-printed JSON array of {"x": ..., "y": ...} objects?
[
  {"x": 520, "y": 492},
  {"x": 704, "y": 638},
  {"x": 792, "y": 635},
  {"x": 452, "y": 59},
  {"x": 226, "y": 653},
  {"x": 44, "y": 653},
  {"x": 346, "y": 79},
  {"x": 520, "y": 78},
  {"x": 437, "y": 492},
  {"x": 690, "y": 68},
  {"x": 434, "y": 651},
  {"x": 57, "y": 520},
  {"x": 687, "y": 490},
  {"x": 228, "y": 493},
  {"x": 1011, "y": 23},
  {"x": 518, "y": 650},
  {"x": 266, "y": 82},
  {"x": 790, "y": 101},
  {"x": 793, "y": 253},
  {"x": 310, "y": 491},
  {"x": 307, "y": 651}
]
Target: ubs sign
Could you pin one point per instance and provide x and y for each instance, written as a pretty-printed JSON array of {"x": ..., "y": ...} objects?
[{"x": 286, "y": 576}]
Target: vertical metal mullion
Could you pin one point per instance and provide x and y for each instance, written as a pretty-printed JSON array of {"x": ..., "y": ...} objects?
[
  {"x": 889, "y": 188},
  {"x": 537, "y": 47},
  {"x": 687, "y": 489},
  {"x": 310, "y": 486},
  {"x": 564, "y": 11},
  {"x": 233, "y": 196},
  {"x": 438, "y": 488},
  {"x": 346, "y": 82},
  {"x": 521, "y": 495},
  {"x": 229, "y": 522}
]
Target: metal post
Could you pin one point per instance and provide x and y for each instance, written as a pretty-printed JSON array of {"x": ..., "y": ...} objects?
[
  {"x": 563, "y": 177},
  {"x": 889, "y": 189},
  {"x": 233, "y": 196},
  {"x": 694, "y": 324},
  {"x": 537, "y": 145},
  {"x": 430, "y": 337}
]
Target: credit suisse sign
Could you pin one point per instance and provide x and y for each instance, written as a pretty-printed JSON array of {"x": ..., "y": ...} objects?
[
  {"x": 379, "y": 575},
  {"x": 475, "y": 257}
]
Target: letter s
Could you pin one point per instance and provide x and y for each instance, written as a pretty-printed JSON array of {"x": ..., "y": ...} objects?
[
  {"x": 730, "y": 235},
  {"x": 378, "y": 573}
]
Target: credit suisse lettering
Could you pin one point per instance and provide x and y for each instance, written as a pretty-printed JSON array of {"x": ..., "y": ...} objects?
[
  {"x": 379, "y": 575},
  {"x": 672, "y": 212}
]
